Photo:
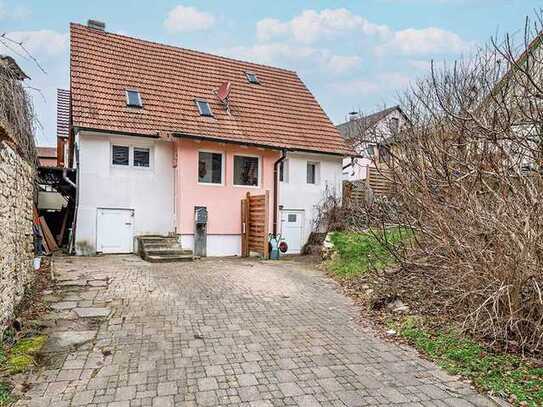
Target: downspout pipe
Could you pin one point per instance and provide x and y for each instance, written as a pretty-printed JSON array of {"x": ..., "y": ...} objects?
[
  {"x": 276, "y": 188},
  {"x": 67, "y": 179}
]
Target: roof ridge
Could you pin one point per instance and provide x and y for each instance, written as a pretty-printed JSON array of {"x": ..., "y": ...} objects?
[{"x": 178, "y": 48}]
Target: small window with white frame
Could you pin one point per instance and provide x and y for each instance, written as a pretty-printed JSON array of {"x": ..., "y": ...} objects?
[
  {"x": 142, "y": 157},
  {"x": 210, "y": 167},
  {"x": 312, "y": 172},
  {"x": 120, "y": 155},
  {"x": 246, "y": 170},
  {"x": 133, "y": 98},
  {"x": 204, "y": 108}
]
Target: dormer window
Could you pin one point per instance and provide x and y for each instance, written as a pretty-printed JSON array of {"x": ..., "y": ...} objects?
[
  {"x": 204, "y": 108},
  {"x": 251, "y": 77},
  {"x": 133, "y": 98}
]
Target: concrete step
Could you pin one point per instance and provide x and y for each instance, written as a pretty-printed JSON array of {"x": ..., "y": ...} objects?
[
  {"x": 168, "y": 258},
  {"x": 157, "y": 239},
  {"x": 162, "y": 249},
  {"x": 159, "y": 245},
  {"x": 157, "y": 251}
]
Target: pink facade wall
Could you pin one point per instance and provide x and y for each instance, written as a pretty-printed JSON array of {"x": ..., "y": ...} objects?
[{"x": 223, "y": 202}]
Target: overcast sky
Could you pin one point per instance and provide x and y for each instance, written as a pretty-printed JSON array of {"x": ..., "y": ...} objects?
[{"x": 353, "y": 55}]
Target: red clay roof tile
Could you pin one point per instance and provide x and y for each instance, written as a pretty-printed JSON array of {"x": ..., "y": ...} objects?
[{"x": 279, "y": 112}]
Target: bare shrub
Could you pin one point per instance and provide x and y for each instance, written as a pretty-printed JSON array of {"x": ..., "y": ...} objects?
[{"x": 467, "y": 172}]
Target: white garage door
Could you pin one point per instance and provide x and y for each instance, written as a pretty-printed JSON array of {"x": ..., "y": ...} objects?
[
  {"x": 292, "y": 228},
  {"x": 115, "y": 230}
]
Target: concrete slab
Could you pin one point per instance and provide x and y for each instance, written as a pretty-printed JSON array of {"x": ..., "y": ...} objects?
[
  {"x": 63, "y": 305},
  {"x": 59, "y": 341},
  {"x": 92, "y": 312}
]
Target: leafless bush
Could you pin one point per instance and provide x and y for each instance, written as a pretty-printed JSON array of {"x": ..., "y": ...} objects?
[
  {"x": 467, "y": 171},
  {"x": 329, "y": 214}
]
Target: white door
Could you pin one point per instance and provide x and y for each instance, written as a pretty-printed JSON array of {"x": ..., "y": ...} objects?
[
  {"x": 292, "y": 224},
  {"x": 115, "y": 230}
]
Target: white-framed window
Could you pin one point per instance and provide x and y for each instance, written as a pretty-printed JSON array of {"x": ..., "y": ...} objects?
[
  {"x": 312, "y": 172},
  {"x": 246, "y": 170},
  {"x": 210, "y": 167},
  {"x": 133, "y": 98},
  {"x": 120, "y": 155},
  {"x": 142, "y": 157},
  {"x": 204, "y": 108},
  {"x": 126, "y": 155}
]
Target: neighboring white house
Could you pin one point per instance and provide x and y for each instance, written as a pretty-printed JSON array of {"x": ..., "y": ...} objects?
[
  {"x": 368, "y": 134},
  {"x": 305, "y": 180}
]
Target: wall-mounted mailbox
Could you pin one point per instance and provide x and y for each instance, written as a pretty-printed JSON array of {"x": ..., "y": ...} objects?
[
  {"x": 200, "y": 231},
  {"x": 200, "y": 214}
]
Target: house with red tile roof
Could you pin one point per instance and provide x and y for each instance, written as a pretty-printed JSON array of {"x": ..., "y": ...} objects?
[
  {"x": 159, "y": 130},
  {"x": 47, "y": 156}
]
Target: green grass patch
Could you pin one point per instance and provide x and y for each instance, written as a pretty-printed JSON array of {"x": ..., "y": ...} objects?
[
  {"x": 502, "y": 374},
  {"x": 21, "y": 356},
  {"x": 356, "y": 253},
  {"x": 5, "y": 395}
]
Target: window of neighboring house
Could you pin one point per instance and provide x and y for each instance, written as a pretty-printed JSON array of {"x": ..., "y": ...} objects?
[
  {"x": 246, "y": 171},
  {"x": 133, "y": 98},
  {"x": 120, "y": 155},
  {"x": 370, "y": 151},
  {"x": 204, "y": 108},
  {"x": 384, "y": 154},
  {"x": 251, "y": 77},
  {"x": 394, "y": 124},
  {"x": 209, "y": 168},
  {"x": 312, "y": 172},
  {"x": 141, "y": 157}
]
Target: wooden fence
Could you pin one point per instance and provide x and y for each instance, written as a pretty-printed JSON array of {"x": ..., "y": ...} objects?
[
  {"x": 378, "y": 182},
  {"x": 254, "y": 224}
]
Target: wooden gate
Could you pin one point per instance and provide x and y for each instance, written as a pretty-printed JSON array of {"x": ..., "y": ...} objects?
[{"x": 254, "y": 224}]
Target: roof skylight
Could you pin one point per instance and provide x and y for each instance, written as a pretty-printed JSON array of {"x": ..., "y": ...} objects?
[
  {"x": 251, "y": 77},
  {"x": 204, "y": 108},
  {"x": 133, "y": 98}
]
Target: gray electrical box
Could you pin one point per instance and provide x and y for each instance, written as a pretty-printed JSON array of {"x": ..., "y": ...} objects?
[{"x": 200, "y": 231}]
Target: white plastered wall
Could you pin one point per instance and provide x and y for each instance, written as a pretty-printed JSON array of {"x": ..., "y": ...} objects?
[
  {"x": 148, "y": 191},
  {"x": 296, "y": 194}
]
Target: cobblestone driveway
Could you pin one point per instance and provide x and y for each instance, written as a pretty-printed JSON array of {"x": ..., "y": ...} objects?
[{"x": 221, "y": 332}]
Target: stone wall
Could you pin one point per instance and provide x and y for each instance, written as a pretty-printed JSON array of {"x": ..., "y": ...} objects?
[{"x": 16, "y": 240}]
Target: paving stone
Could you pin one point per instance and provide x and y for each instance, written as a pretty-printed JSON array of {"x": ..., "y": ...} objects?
[
  {"x": 206, "y": 398},
  {"x": 83, "y": 398},
  {"x": 163, "y": 401},
  {"x": 247, "y": 380},
  {"x": 168, "y": 388},
  {"x": 207, "y": 383},
  {"x": 290, "y": 389},
  {"x": 125, "y": 393}
]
